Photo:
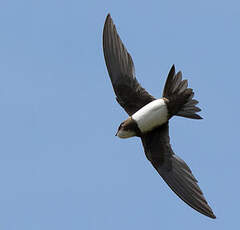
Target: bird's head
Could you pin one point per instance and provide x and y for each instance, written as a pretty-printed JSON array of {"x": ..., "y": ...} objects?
[{"x": 127, "y": 129}]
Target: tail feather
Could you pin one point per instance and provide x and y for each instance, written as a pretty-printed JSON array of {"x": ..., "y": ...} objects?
[
  {"x": 192, "y": 102},
  {"x": 182, "y": 87},
  {"x": 181, "y": 97},
  {"x": 178, "y": 79},
  {"x": 191, "y": 108}
]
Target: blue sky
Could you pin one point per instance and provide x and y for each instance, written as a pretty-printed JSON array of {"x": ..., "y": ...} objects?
[{"x": 61, "y": 167}]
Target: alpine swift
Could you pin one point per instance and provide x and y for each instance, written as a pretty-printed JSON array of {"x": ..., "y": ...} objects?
[{"x": 149, "y": 117}]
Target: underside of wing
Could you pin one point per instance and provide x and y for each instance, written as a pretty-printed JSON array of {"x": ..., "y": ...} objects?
[
  {"x": 130, "y": 95},
  {"x": 174, "y": 170},
  {"x": 181, "y": 180}
]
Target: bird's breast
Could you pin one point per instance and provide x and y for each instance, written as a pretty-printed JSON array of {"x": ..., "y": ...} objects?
[{"x": 151, "y": 115}]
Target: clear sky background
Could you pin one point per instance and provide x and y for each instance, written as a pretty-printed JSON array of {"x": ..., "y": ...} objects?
[{"x": 61, "y": 167}]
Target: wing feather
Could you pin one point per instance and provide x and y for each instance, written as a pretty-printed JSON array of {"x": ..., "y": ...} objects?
[
  {"x": 174, "y": 170},
  {"x": 130, "y": 95}
]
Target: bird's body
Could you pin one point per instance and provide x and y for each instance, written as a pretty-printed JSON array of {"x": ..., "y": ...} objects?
[
  {"x": 149, "y": 117},
  {"x": 152, "y": 115}
]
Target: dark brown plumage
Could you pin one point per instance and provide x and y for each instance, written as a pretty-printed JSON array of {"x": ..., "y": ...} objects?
[
  {"x": 132, "y": 97},
  {"x": 130, "y": 124},
  {"x": 180, "y": 97}
]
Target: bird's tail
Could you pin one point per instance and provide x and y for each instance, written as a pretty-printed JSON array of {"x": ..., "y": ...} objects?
[{"x": 180, "y": 97}]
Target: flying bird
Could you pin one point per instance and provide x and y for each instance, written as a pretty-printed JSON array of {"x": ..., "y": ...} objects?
[{"x": 149, "y": 117}]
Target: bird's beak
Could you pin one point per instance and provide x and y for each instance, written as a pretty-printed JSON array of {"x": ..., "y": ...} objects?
[{"x": 116, "y": 134}]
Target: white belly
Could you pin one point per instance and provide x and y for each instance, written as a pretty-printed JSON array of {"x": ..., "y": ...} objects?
[{"x": 151, "y": 115}]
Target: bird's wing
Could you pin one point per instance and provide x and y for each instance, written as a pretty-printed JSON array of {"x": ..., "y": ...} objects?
[
  {"x": 130, "y": 95},
  {"x": 174, "y": 170}
]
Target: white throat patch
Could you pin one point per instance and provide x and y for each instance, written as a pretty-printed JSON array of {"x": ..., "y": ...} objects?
[{"x": 151, "y": 115}]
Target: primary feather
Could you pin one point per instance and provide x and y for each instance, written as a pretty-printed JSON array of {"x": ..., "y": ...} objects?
[{"x": 132, "y": 97}]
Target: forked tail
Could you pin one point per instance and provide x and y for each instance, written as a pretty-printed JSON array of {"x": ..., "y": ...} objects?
[{"x": 180, "y": 97}]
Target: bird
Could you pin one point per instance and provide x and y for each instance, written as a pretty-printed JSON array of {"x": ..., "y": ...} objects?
[{"x": 148, "y": 117}]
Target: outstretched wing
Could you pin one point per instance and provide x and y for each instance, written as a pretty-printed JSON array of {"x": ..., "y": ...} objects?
[
  {"x": 130, "y": 95},
  {"x": 174, "y": 170}
]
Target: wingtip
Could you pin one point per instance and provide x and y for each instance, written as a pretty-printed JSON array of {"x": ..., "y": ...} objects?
[
  {"x": 213, "y": 216},
  {"x": 108, "y": 18},
  {"x": 108, "y": 23},
  {"x": 210, "y": 213}
]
